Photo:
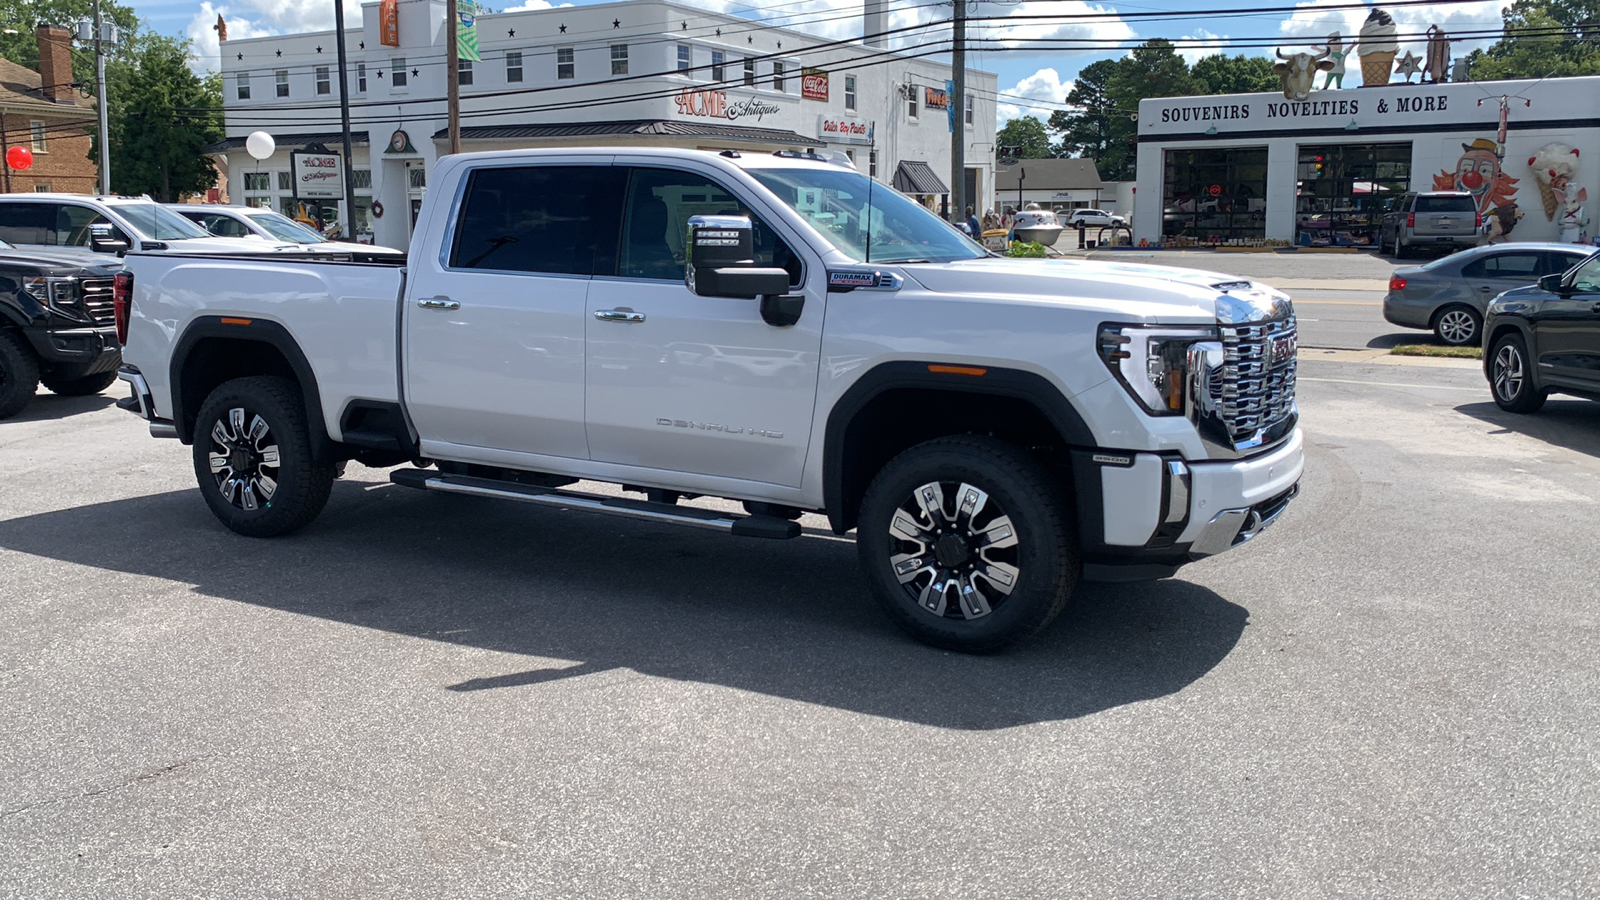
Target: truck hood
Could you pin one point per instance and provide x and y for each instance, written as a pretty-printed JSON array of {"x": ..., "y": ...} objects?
[
  {"x": 79, "y": 262},
  {"x": 1124, "y": 290}
]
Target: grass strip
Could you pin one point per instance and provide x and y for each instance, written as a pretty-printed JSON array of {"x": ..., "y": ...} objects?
[{"x": 1436, "y": 350}]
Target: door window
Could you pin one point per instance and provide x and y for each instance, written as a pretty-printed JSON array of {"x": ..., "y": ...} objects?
[
  {"x": 72, "y": 226},
  {"x": 552, "y": 219},
  {"x": 1556, "y": 263},
  {"x": 224, "y": 226},
  {"x": 1518, "y": 266},
  {"x": 1587, "y": 279},
  {"x": 656, "y": 223},
  {"x": 24, "y": 223}
]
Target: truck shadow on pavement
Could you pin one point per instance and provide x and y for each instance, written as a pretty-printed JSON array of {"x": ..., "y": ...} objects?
[
  {"x": 45, "y": 406},
  {"x": 1563, "y": 422},
  {"x": 791, "y": 619}
]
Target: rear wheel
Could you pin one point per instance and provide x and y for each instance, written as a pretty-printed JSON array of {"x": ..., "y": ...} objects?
[
  {"x": 1511, "y": 377},
  {"x": 967, "y": 543},
  {"x": 81, "y": 387},
  {"x": 1458, "y": 326},
  {"x": 253, "y": 459},
  {"x": 19, "y": 374}
]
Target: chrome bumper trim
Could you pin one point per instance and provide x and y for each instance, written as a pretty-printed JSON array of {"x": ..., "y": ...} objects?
[{"x": 1232, "y": 527}]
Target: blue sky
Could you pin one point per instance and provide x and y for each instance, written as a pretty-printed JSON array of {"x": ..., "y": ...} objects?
[{"x": 1034, "y": 78}]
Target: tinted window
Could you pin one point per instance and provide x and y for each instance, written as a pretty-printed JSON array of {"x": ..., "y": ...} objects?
[
  {"x": 156, "y": 222},
  {"x": 220, "y": 225},
  {"x": 1452, "y": 203},
  {"x": 1523, "y": 266},
  {"x": 866, "y": 221},
  {"x": 71, "y": 227},
  {"x": 1587, "y": 278},
  {"x": 25, "y": 223},
  {"x": 1560, "y": 262},
  {"x": 555, "y": 219},
  {"x": 656, "y": 222}
]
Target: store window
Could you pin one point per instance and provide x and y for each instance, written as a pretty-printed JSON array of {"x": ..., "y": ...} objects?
[
  {"x": 619, "y": 59},
  {"x": 564, "y": 66},
  {"x": 464, "y": 72},
  {"x": 243, "y": 81},
  {"x": 397, "y": 69},
  {"x": 324, "y": 80},
  {"x": 1343, "y": 190},
  {"x": 513, "y": 66},
  {"x": 361, "y": 78},
  {"x": 683, "y": 59},
  {"x": 285, "y": 180},
  {"x": 1214, "y": 195},
  {"x": 281, "y": 77},
  {"x": 849, "y": 92},
  {"x": 749, "y": 72},
  {"x": 718, "y": 69},
  {"x": 970, "y": 108},
  {"x": 258, "y": 181},
  {"x": 777, "y": 75},
  {"x": 911, "y": 101}
]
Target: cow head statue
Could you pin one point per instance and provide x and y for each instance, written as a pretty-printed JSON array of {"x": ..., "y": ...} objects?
[{"x": 1299, "y": 72}]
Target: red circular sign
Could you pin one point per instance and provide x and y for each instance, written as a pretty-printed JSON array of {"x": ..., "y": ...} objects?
[{"x": 1215, "y": 190}]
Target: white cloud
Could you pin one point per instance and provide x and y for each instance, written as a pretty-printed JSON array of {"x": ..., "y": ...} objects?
[
  {"x": 1201, "y": 44},
  {"x": 1098, "y": 30},
  {"x": 202, "y": 33},
  {"x": 1044, "y": 85},
  {"x": 1312, "y": 23}
]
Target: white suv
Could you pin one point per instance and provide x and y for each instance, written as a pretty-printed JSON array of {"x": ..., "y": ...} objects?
[
  {"x": 104, "y": 225},
  {"x": 1092, "y": 218}
]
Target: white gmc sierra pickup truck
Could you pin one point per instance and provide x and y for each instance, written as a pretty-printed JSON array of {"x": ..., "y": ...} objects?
[{"x": 773, "y": 329}]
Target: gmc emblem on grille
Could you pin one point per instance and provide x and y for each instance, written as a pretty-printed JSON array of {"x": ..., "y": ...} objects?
[{"x": 1281, "y": 350}]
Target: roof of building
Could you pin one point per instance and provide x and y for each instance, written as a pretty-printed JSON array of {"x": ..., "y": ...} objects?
[
  {"x": 20, "y": 84},
  {"x": 1076, "y": 174},
  {"x": 664, "y": 127},
  {"x": 912, "y": 177},
  {"x": 331, "y": 139}
]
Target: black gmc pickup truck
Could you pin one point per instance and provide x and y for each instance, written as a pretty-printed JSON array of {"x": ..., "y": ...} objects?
[{"x": 56, "y": 324}]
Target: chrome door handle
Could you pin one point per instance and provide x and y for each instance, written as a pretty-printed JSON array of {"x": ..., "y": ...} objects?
[
  {"x": 438, "y": 303},
  {"x": 618, "y": 315}
]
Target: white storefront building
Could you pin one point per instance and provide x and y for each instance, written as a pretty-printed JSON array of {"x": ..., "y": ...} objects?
[
  {"x": 1253, "y": 167},
  {"x": 638, "y": 73}
]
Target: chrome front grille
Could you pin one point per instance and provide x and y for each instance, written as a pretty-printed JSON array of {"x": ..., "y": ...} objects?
[
  {"x": 1253, "y": 389},
  {"x": 97, "y": 300}
]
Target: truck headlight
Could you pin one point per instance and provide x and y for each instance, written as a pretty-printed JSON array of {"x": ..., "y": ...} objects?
[
  {"x": 37, "y": 287},
  {"x": 1152, "y": 362}
]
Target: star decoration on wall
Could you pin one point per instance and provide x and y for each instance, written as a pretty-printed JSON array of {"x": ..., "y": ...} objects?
[
  {"x": 363, "y": 45},
  {"x": 563, "y": 29},
  {"x": 780, "y": 45},
  {"x": 414, "y": 73},
  {"x": 749, "y": 39},
  {"x": 280, "y": 52},
  {"x": 319, "y": 49},
  {"x": 241, "y": 57},
  {"x": 719, "y": 32},
  {"x": 616, "y": 23},
  {"x": 1409, "y": 65},
  {"x": 685, "y": 26},
  {"x": 511, "y": 32},
  {"x": 380, "y": 73}
]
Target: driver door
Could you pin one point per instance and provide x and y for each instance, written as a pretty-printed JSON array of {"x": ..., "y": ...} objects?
[{"x": 1566, "y": 331}]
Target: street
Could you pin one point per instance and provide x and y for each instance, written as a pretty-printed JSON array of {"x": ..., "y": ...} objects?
[{"x": 1388, "y": 694}]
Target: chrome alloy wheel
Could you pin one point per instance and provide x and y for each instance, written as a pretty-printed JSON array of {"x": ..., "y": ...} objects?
[
  {"x": 957, "y": 556},
  {"x": 1508, "y": 372},
  {"x": 240, "y": 457},
  {"x": 1457, "y": 327}
]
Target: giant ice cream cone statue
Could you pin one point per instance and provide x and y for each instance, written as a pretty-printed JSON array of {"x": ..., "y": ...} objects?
[
  {"x": 1554, "y": 166},
  {"x": 1377, "y": 49}
]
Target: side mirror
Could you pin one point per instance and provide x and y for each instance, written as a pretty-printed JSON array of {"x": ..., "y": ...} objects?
[
  {"x": 1551, "y": 283},
  {"x": 721, "y": 251},
  {"x": 103, "y": 239}
]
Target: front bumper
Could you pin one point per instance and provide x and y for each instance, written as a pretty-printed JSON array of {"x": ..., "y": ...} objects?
[
  {"x": 1145, "y": 514},
  {"x": 80, "y": 351}
]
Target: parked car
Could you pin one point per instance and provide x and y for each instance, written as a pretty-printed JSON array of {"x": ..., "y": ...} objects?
[
  {"x": 56, "y": 325},
  {"x": 1449, "y": 294},
  {"x": 991, "y": 428},
  {"x": 1448, "y": 219},
  {"x": 224, "y": 220},
  {"x": 109, "y": 225},
  {"x": 1545, "y": 339},
  {"x": 1093, "y": 218}
]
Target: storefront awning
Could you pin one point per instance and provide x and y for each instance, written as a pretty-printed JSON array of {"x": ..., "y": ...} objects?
[
  {"x": 917, "y": 178},
  {"x": 634, "y": 127},
  {"x": 333, "y": 139}
]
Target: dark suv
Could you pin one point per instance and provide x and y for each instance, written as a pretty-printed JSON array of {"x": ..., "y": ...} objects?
[
  {"x": 1447, "y": 219},
  {"x": 1545, "y": 339},
  {"x": 57, "y": 324}
]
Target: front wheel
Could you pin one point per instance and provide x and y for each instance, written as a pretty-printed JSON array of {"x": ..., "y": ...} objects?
[
  {"x": 81, "y": 387},
  {"x": 1458, "y": 326},
  {"x": 253, "y": 458},
  {"x": 19, "y": 374},
  {"x": 967, "y": 543},
  {"x": 1511, "y": 377}
]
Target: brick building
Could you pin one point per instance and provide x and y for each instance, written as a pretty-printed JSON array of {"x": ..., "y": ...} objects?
[{"x": 44, "y": 112}]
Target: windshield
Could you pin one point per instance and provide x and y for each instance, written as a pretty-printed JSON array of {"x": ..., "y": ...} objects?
[
  {"x": 157, "y": 223},
  {"x": 835, "y": 202},
  {"x": 286, "y": 229}
]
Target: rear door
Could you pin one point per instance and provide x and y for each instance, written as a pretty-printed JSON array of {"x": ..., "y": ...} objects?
[
  {"x": 697, "y": 384},
  {"x": 1566, "y": 331},
  {"x": 494, "y": 321},
  {"x": 1493, "y": 273},
  {"x": 1454, "y": 216}
]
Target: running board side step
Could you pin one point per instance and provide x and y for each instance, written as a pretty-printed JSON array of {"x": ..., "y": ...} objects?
[{"x": 743, "y": 526}]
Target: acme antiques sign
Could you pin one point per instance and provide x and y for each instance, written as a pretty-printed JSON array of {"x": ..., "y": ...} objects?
[
  {"x": 317, "y": 175},
  {"x": 716, "y": 105}
]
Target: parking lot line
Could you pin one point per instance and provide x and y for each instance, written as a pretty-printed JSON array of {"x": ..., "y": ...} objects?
[{"x": 1431, "y": 387}]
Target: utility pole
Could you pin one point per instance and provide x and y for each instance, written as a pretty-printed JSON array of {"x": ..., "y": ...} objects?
[
  {"x": 100, "y": 101},
  {"x": 957, "y": 114},
  {"x": 344, "y": 122},
  {"x": 453, "y": 76}
]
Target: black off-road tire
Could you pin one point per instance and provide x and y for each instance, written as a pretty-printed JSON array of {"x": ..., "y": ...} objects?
[
  {"x": 1511, "y": 375},
  {"x": 299, "y": 484},
  {"x": 1043, "y": 562},
  {"x": 80, "y": 387},
  {"x": 19, "y": 374}
]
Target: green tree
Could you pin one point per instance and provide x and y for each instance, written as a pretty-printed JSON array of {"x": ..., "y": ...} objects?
[
  {"x": 20, "y": 18},
  {"x": 1092, "y": 128},
  {"x": 1519, "y": 54},
  {"x": 1028, "y": 134},
  {"x": 161, "y": 114},
  {"x": 1219, "y": 74}
]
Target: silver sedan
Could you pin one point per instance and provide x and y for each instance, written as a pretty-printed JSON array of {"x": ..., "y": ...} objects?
[{"x": 1449, "y": 294}]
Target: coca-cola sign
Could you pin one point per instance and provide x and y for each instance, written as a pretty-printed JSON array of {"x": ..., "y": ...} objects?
[{"x": 814, "y": 84}]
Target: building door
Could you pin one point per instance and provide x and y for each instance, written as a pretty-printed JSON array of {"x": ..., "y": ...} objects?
[
  {"x": 1343, "y": 190},
  {"x": 1214, "y": 196}
]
